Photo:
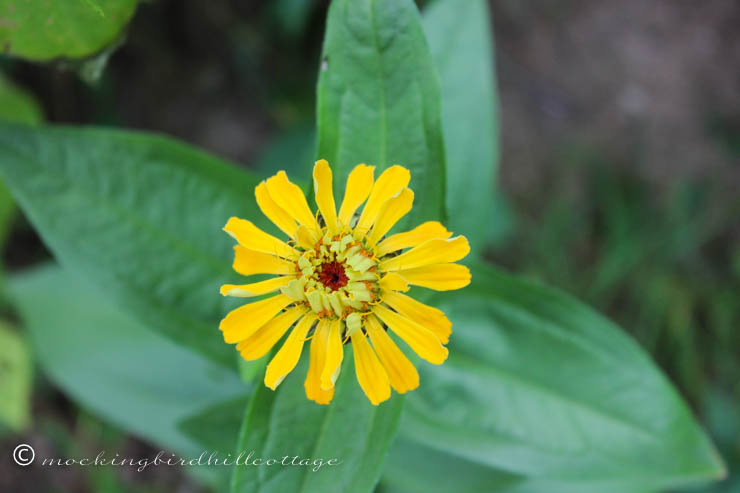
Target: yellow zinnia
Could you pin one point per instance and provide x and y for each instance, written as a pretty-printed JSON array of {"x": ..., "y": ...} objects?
[{"x": 341, "y": 280}]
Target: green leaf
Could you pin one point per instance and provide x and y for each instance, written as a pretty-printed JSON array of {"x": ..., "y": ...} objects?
[
  {"x": 16, "y": 380},
  {"x": 379, "y": 100},
  {"x": 217, "y": 427},
  {"x": 414, "y": 468},
  {"x": 284, "y": 423},
  {"x": 113, "y": 365},
  {"x": 251, "y": 370},
  {"x": 141, "y": 216},
  {"x": 540, "y": 385},
  {"x": 460, "y": 40},
  {"x": 17, "y": 105},
  {"x": 61, "y": 28}
]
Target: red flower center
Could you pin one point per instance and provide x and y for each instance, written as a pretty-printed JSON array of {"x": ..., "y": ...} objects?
[{"x": 332, "y": 275}]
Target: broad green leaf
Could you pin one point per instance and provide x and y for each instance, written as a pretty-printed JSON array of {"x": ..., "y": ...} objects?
[
  {"x": 250, "y": 370},
  {"x": 51, "y": 29},
  {"x": 116, "y": 368},
  {"x": 537, "y": 384},
  {"x": 16, "y": 379},
  {"x": 414, "y": 468},
  {"x": 140, "y": 216},
  {"x": 284, "y": 423},
  {"x": 217, "y": 427},
  {"x": 17, "y": 105},
  {"x": 379, "y": 100},
  {"x": 460, "y": 40}
]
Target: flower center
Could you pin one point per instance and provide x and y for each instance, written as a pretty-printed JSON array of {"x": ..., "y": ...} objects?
[
  {"x": 336, "y": 278},
  {"x": 332, "y": 275}
]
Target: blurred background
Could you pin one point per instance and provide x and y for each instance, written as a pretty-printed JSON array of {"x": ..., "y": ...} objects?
[{"x": 619, "y": 172}]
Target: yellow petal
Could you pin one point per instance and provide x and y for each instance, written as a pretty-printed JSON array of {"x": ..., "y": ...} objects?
[
  {"x": 322, "y": 189},
  {"x": 290, "y": 198},
  {"x": 430, "y": 252},
  {"x": 440, "y": 277},
  {"x": 422, "y": 340},
  {"x": 244, "y": 321},
  {"x": 316, "y": 365},
  {"x": 255, "y": 288},
  {"x": 359, "y": 185},
  {"x": 392, "y": 181},
  {"x": 417, "y": 236},
  {"x": 306, "y": 238},
  {"x": 273, "y": 212},
  {"x": 250, "y": 236},
  {"x": 370, "y": 373},
  {"x": 334, "y": 355},
  {"x": 392, "y": 210},
  {"x": 424, "y": 315},
  {"x": 353, "y": 322},
  {"x": 269, "y": 334},
  {"x": 393, "y": 282},
  {"x": 288, "y": 355},
  {"x": 248, "y": 262},
  {"x": 401, "y": 373},
  {"x": 295, "y": 289}
]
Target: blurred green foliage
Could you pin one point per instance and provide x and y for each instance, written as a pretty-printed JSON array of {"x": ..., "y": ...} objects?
[
  {"x": 61, "y": 28},
  {"x": 16, "y": 379},
  {"x": 16, "y": 104}
]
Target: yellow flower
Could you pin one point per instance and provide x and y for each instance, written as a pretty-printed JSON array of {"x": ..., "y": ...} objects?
[{"x": 341, "y": 280}]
